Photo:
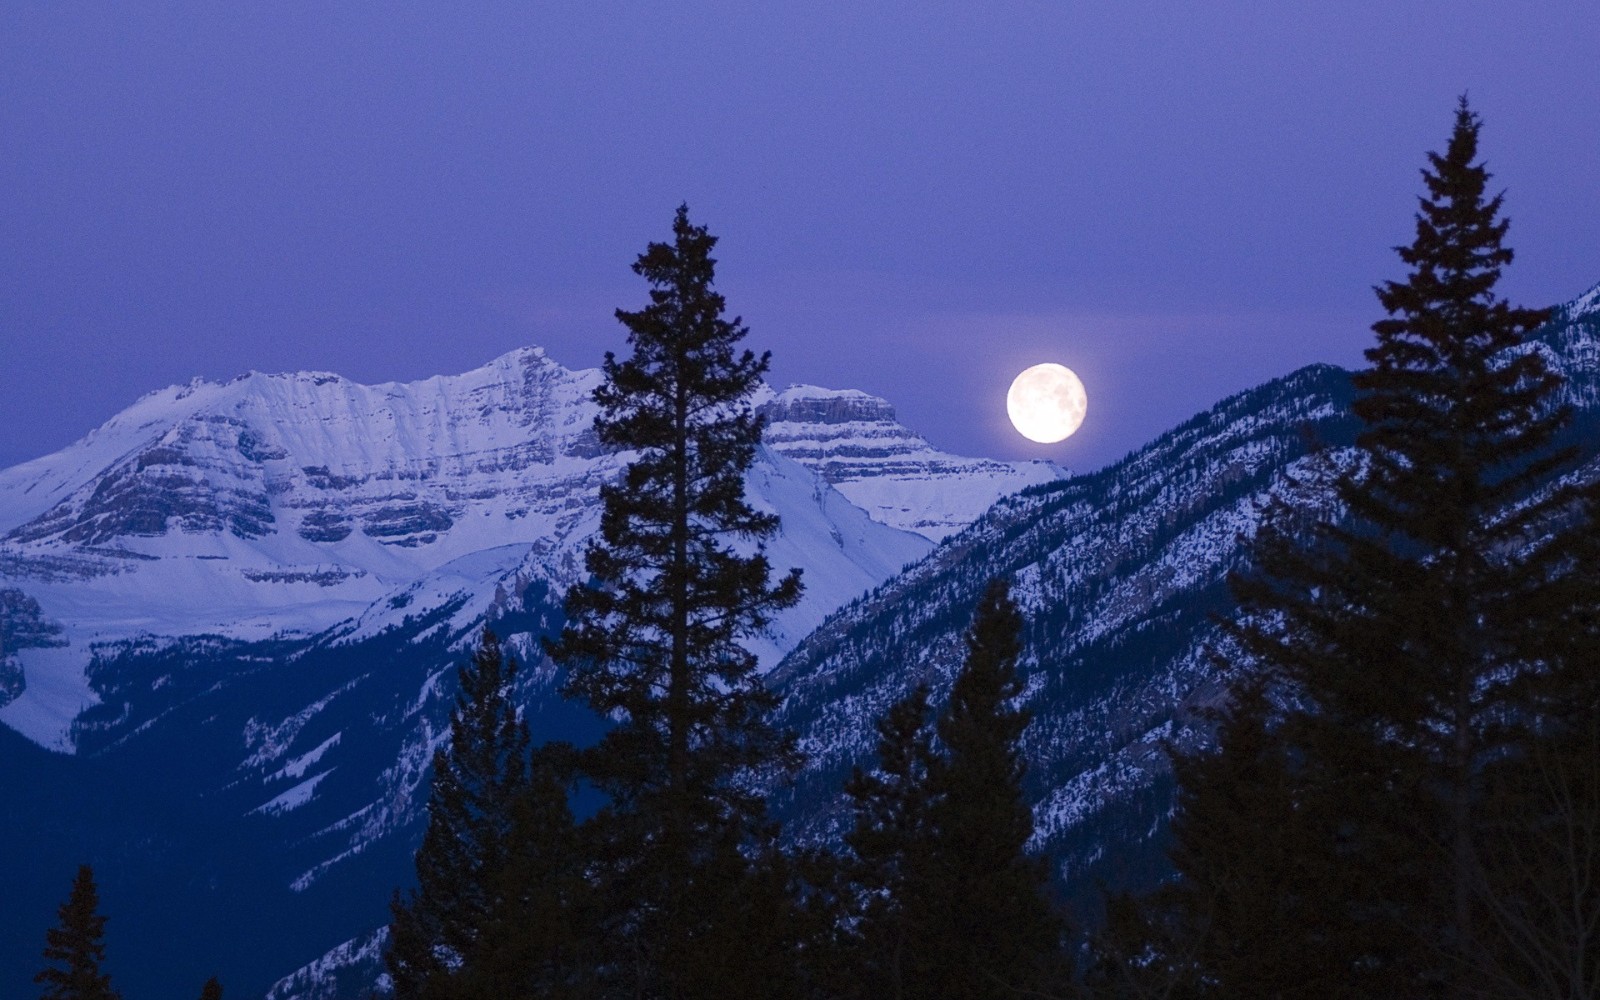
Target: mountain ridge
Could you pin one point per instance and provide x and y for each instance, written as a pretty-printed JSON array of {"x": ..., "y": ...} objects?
[
  {"x": 285, "y": 504},
  {"x": 1121, "y": 575}
]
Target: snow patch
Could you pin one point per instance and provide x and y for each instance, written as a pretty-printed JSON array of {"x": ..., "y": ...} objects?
[
  {"x": 295, "y": 797},
  {"x": 320, "y": 979},
  {"x": 298, "y": 766},
  {"x": 57, "y": 691}
]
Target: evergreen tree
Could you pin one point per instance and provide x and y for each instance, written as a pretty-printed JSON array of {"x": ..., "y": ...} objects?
[
  {"x": 1240, "y": 843},
  {"x": 77, "y": 947},
  {"x": 1406, "y": 641},
  {"x": 539, "y": 939},
  {"x": 1457, "y": 430},
  {"x": 949, "y": 902},
  {"x": 679, "y": 580},
  {"x": 212, "y": 990},
  {"x": 999, "y": 935},
  {"x": 477, "y": 779},
  {"x": 891, "y": 859}
]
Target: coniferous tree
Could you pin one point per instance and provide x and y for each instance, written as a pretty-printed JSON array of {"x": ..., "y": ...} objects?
[
  {"x": 1237, "y": 841},
  {"x": 77, "y": 947},
  {"x": 891, "y": 859},
  {"x": 1407, "y": 642},
  {"x": 1458, "y": 429},
  {"x": 539, "y": 938},
  {"x": 212, "y": 990},
  {"x": 477, "y": 780},
  {"x": 998, "y": 935},
  {"x": 949, "y": 902},
  {"x": 679, "y": 580}
]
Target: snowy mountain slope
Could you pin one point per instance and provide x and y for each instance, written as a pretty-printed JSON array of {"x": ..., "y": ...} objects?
[
  {"x": 246, "y": 601},
  {"x": 1120, "y": 574},
  {"x": 278, "y": 505},
  {"x": 839, "y": 549},
  {"x": 1117, "y": 574}
]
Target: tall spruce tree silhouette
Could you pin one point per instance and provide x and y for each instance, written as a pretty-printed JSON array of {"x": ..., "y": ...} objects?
[
  {"x": 679, "y": 581},
  {"x": 1406, "y": 641}
]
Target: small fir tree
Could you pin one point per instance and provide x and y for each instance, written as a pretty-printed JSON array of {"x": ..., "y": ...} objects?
[
  {"x": 77, "y": 947},
  {"x": 539, "y": 939},
  {"x": 890, "y": 860},
  {"x": 212, "y": 990},
  {"x": 477, "y": 779},
  {"x": 655, "y": 640}
]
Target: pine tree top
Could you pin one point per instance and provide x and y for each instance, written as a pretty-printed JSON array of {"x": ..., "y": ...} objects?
[
  {"x": 77, "y": 945},
  {"x": 1453, "y": 412}
]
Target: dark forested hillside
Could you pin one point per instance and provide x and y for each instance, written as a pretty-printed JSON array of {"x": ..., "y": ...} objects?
[{"x": 1120, "y": 576}]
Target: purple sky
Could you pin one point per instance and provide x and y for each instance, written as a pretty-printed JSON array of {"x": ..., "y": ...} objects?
[{"x": 1177, "y": 200}]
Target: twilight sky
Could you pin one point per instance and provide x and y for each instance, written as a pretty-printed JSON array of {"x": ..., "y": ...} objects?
[{"x": 1177, "y": 200}]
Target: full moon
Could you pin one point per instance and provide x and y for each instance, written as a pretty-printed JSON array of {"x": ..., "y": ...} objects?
[{"x": 1047, "y": 403}]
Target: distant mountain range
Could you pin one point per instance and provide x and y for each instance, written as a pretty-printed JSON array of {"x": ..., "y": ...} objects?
[{"x": 238, "y": 607}]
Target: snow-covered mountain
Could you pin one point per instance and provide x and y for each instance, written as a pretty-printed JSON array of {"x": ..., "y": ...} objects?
[
  {"x": 1117, "y": 574},
  {"x": 284, "y": 505},
  {"x": 1120, "y": 575},
  {"x": 853, "y": 440},
  {"x": 238, "y": 606}
]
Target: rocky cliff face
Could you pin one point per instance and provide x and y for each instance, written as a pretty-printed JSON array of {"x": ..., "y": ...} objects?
[
  {"x": 22, "y": 626},
  {"x": 314, "y": 455},
  {"x": 854, "y": 442},
  {"x": 800, "y": 405}
]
